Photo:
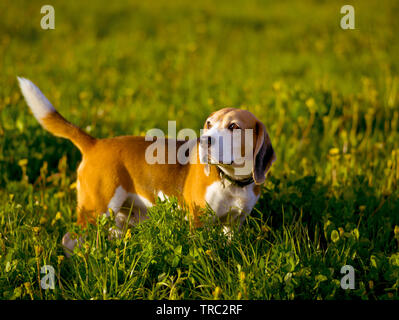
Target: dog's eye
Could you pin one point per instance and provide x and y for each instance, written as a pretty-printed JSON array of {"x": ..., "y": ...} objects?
[
  {"x": 208, "y": 125},
  {"x": 233, "y": 126}
]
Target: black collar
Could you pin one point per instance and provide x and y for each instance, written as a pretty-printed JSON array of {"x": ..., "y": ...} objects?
[{"x": 239, "y": 183}]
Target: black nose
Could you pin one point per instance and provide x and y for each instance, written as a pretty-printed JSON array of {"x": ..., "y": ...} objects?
[{"x": 207, "y": 140}]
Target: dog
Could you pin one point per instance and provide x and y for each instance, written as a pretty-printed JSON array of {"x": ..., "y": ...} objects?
[{"x": 114, "y": 172}]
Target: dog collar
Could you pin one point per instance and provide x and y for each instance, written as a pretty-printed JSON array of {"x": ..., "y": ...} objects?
[{"x": 239, "y": 183}]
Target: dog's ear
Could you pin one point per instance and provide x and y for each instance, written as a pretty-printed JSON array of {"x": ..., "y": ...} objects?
[{"x": 264, "y": 155}]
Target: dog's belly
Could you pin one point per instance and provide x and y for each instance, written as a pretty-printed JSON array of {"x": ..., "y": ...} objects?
[{"x": 231, "y": 201}]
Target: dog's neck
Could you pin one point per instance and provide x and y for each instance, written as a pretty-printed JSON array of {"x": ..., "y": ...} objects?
[{"x": 234, "y": 180}]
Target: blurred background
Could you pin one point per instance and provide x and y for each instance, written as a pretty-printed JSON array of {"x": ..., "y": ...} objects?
[{"x": 124, "y": 67}]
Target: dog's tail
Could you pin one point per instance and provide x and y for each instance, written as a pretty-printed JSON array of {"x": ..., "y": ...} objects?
[{"x": 50, "y": 119}]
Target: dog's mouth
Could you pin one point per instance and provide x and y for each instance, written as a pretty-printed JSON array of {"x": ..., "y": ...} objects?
[
  {"x": 212, "y": 160},
  {"x": 212, "y": 155}
]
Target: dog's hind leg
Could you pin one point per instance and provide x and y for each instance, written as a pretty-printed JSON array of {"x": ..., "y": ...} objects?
[{"x": 115, "y": 206}]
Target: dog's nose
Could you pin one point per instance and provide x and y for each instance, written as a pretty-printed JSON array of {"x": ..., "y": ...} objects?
[{"x": 207, "y": 140}]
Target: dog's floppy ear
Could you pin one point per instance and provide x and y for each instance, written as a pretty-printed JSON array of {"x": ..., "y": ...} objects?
[{"x": 264, "y": 155}]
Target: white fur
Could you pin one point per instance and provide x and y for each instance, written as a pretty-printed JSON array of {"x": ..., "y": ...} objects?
[
  {"x": 139, "y": 210},
  {"x": 139, "y": 201},
  {"x": 162, "y": 196},
  {"x": 140, "y": 205},
  {"x": 69, "y": 244},
  {"x": 121, "y": 196},
  {"x": 226, "y": 149},
  {"x": 35, "y": 99},
  {"x": 220, "y": 150},
  {"x": 226, "y": 198},
  {"x": 117, "y": 200}
]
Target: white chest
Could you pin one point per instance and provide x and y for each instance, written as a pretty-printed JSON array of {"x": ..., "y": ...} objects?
[{"x": 231, "y": 199}]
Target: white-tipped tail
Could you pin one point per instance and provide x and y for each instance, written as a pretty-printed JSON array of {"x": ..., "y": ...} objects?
[
  {"x": 35, "y": 99},
  {"x": 50, "y": 119}
]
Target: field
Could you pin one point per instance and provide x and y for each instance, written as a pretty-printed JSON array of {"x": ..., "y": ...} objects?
[{"x": 330, "y": 101}]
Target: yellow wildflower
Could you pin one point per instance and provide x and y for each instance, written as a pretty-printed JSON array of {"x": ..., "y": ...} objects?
[
  {"x": 334, "y": 151},
  {"x": 334, "y": 236},
  {"x": 217, "y": 293}
]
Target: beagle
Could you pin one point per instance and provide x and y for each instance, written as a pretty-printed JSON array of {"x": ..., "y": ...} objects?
[{"x": 114, "y": 173}]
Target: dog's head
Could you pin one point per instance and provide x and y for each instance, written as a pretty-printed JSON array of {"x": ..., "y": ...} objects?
[{"x": 238, "y": 143}]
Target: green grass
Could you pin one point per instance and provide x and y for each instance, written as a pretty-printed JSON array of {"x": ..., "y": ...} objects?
[{"x": 328, "y": 97}]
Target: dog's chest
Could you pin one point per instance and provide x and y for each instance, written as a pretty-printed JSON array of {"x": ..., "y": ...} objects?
[{"x": 229, "y": 198}]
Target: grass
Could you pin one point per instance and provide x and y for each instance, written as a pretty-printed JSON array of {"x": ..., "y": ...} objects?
[{"x": 329, "y": 98}]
